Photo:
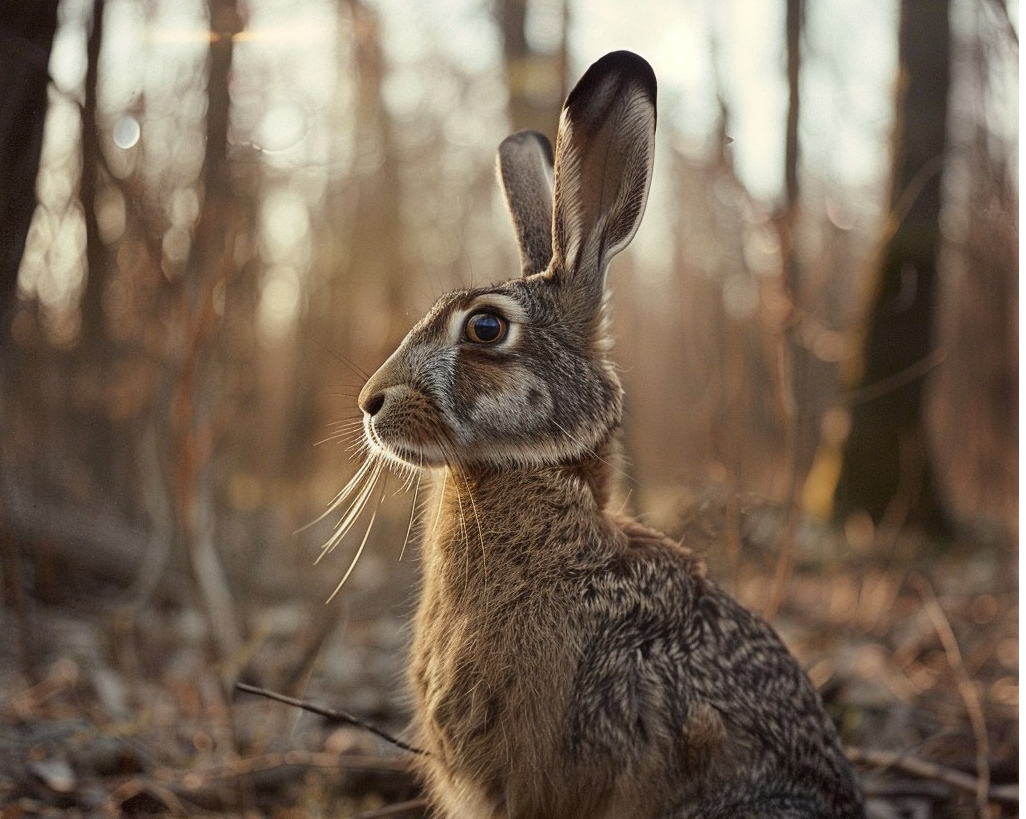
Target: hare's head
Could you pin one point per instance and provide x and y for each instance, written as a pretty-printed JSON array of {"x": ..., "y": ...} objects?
[{"x": 517, "y": 373}]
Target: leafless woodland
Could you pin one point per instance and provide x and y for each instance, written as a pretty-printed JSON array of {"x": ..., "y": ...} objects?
[{"x": 218, "y": 217}]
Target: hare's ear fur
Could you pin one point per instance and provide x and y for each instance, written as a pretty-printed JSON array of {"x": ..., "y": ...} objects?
[
  {"x": 525, "y": 170},
  {"x": 604, "y": 153}
]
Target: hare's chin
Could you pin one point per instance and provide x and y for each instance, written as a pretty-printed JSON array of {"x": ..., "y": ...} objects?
[{"x": 402, "y": 456}]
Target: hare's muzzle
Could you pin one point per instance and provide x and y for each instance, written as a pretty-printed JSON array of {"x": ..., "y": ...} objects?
[{"x": 371, "y": 404}]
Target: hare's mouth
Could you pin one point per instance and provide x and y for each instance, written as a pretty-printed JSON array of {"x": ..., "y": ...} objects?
[{"x": 400, "y": 450}]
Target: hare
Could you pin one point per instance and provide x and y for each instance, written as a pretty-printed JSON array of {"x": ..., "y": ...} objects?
[{"x": 566, "y": 662}]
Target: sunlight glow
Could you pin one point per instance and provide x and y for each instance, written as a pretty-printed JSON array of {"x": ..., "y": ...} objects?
[
  {"x": 126, "y": 132},
  {"x": 279, "y": 302},
  {"x": 282, "y": 127}
]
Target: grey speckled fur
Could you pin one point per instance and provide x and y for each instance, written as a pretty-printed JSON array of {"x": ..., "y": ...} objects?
[{"x": 566, "y": 662}]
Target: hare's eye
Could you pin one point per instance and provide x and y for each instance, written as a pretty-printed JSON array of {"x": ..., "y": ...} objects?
[{"x": 485, "y": 328}]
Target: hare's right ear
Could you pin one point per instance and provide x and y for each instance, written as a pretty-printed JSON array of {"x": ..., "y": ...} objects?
[
  {"x": 525, "y": 170},
  {"x": 604, "y": 153}
]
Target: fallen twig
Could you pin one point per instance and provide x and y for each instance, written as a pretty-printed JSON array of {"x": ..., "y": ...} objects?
[
  {"x": 330, "y": 714},
  {"x": 1006, "y": 794},
  {"x": 967, "y": 689},
  {"x": 396, "y": 809}
]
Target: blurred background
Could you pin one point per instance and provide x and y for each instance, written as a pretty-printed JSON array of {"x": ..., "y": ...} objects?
[{"x": 218, "y": 217}]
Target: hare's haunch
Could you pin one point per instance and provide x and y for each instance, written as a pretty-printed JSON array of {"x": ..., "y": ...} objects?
[{"x": 566, "y": 662}]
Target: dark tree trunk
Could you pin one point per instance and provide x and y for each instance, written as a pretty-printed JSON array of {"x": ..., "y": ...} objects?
[
  {"x": 26, "y": 36},
  {"x": 536, "y": 82},
  {"x": 796, "y": 360},
  {"x": 886, "y": 469},
  {"x": 94, "y": 334}
]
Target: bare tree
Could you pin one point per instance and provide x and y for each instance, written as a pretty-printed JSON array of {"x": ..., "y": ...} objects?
[
  {"x": 536, "y": 82},
  {"x": 26, "y": 36},
  {"x": 197, "y": 418},
  {"x": 886, "y": 467}
]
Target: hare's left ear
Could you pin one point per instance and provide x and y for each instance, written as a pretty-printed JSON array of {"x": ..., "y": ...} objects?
[
  {"x": 604, "y": 153},
  {"x": 525, "y": 170}
]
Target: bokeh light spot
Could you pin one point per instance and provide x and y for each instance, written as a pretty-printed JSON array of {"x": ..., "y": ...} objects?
[{"x": 126, "y": 132}]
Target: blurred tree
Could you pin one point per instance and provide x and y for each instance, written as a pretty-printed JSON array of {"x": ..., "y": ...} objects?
[
  {"x": 101, "y": 441},
  {"x": 797, "y": 361},
  {"x": 977, "y": 418},
  {"x": 26, "y": 36},
  {"x": 536, "y": 81},
  {"x": 371, "y": 246},
  {"x": 360, "y": 250},
  {"x": 886, "y": 467},
  {"x": 93, "y": 334},
  {"x": 198, "y": 416}
]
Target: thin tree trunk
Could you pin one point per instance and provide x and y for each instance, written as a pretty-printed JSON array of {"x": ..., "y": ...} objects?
[
  {"x": 197, "y": 421},
  {"x": 93, "y": 332},
  {"x": 796, "y": 361}
]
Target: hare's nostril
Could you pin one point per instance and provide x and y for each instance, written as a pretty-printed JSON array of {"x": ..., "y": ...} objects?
[{"x": 372, "y": 406}]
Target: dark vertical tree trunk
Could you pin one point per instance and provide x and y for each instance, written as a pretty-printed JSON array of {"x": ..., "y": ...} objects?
[
  {"x": 885, "y": 468},
  {"x": 93, "y": 334},
  {"x": 101, "y": 442},
  {"x": 536, "y": 82},
  {"x": 210, "y": 246},
  {"x": 794, "y": 23},
  {"x": 797, "y": 362},
  {"x": 26, "y": 37}
]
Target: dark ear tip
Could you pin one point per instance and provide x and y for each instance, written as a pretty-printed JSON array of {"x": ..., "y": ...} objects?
[
  {"x": 526, "y": 139},
  {"x": 627, "y": 66}
]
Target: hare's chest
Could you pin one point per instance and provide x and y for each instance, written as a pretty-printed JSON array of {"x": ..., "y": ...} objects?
[{"x": 485, "y": 681}]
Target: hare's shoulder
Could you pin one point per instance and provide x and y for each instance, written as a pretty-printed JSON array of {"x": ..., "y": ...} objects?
[
  {"x": 652, "y": 614},
  {"x": 672, "y": 660}
]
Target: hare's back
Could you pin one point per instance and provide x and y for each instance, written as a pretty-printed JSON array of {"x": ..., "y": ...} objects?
[{"x": 676, "y": 674}]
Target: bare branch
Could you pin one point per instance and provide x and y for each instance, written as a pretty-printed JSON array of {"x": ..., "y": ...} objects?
[
  {"x": 330, "y": 714},
  {"x": 923, "y": 768},
  {"x": 967, "y": 689}
]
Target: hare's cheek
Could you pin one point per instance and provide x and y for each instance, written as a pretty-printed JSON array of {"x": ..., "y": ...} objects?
[{"x": 516, "y": 404}]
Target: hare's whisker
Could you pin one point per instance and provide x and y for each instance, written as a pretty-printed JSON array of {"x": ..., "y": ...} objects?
[
  {"x": 339, "y": 498},
  {"x": 590, "y": 451},
  {"x": 366, "y": 536},
  {"x": 338, "y": 435},
  {"x": 441, "y": 503},
  {"x": 480, "y": 531},
  {"x": 357, "y": 448},
  {"x": 463, "y": 529},
  {"x": 351, "y": 365},
  {"x": 354, "y": 511},
  {"x": 349, "y": 423},
  {"x": 413, "y": 514},
  {"x": 367, "y": 466}
]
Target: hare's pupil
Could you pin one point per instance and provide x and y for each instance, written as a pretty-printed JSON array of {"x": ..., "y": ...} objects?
[{"x": 485, "y": 328}]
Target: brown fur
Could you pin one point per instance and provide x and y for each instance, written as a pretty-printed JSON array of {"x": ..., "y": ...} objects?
[{"x": 567, "y": 662}]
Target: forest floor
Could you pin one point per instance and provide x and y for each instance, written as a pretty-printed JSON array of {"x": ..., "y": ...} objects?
[{"x": 115, "y": 709}]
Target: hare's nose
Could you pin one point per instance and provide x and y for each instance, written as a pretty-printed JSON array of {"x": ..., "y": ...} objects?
[{"x": 372, "y": 404}]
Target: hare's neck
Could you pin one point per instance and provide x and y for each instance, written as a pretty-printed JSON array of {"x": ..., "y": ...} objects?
[{"x": 531, "y": 514}]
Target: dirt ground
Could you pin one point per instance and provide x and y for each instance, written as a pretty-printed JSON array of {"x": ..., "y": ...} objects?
[{"x": 116, "y": 709}]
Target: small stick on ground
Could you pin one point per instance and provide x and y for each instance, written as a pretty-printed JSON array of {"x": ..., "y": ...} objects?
[
  {"x": 330, "y": 714},
  {"x": 967, "y": 689},
  {"x": 923, "y": 768}
]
